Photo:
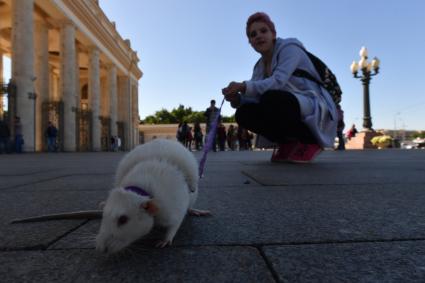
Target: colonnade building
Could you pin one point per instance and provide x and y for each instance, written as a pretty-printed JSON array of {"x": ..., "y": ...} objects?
[{"x": 70, "y": 66}]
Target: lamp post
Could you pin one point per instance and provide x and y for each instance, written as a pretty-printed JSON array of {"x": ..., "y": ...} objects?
[{"x": 366, "y": 69}]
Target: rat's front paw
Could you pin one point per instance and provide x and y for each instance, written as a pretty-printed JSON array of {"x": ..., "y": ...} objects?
[{"x": 163, "y": 243}]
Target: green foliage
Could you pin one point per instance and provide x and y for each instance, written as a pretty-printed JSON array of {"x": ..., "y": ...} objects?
[
  {"x": 161, "y": 117},
  {"x": 420, "y": 135},
  {"x": 180, "y": 114},
  {"x": 196, "y": 117},
  {"x": 230, "y": 119}
]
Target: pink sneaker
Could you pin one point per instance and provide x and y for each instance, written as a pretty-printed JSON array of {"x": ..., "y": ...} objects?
[
  {"x": 305, "y": 153},
  {"x": 282, "y": 152}
]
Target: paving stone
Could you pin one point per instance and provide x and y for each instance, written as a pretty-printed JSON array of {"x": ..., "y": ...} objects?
[
  {"x": 300, "y": 206},
  {"x": 197, "y": 264},
  {"x": 350, "y": 262},
  {"x": 81, "y": 238},
  {"x": 304, "y": 214},
  {"x": 41, "y": 234},
  {"x": 329, "y": 169},
  {"x": 64, "y": 181},
  {"x": 24, "y": 170}
]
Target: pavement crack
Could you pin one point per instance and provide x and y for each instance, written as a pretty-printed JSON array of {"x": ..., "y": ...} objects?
[
  {"x": 359, "y": 241},
  {"x": 4, "y": 189},
  {"x": 268, "y": 263},
  {"x": 65, "y": 234}
]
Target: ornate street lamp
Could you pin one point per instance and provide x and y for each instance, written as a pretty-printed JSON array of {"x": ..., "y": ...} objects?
[{"x": 366, "y": 68}]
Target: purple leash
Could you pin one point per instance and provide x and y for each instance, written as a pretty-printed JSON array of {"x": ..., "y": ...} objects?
[{"x": 209, "y": 141}]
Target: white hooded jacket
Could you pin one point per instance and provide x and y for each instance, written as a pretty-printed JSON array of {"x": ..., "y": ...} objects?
[{"x": 318, "y": 111}]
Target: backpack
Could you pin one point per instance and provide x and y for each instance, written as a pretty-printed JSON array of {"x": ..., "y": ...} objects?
[{"x": 328, "y": 79}]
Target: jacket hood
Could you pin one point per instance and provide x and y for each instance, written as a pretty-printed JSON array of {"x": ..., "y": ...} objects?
[{"x": 280, "y": 42}]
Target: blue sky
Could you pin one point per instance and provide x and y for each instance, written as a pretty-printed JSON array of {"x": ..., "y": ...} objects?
[{"x": 190, "y": 49}]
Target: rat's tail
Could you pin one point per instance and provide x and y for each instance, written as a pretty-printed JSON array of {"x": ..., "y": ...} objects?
[{"x": 85, "y": 214}]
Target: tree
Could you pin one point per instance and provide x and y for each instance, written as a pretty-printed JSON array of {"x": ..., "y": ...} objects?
[
  {"x": 180, "y": 114},
  {"x": 161, "y": 117},
  {"x": 420, "y": 134}
]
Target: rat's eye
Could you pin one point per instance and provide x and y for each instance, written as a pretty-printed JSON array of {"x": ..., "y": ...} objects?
[{"x": 123, "y": 219}]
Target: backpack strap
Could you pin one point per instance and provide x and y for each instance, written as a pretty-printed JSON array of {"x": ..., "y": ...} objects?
[{"x": 303, "y": 73}]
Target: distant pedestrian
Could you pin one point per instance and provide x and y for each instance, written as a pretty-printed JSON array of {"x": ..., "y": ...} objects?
[
  {"x": 221, "y": 136},
  {"x": 247, "y": 137},
  {"x": 189, "y": 138},
  {"x": 4, "y": 137},
  {"x": 352, "y": 132},
  {"x": 231, "y": 137},
  {"x": 113, "y": 143},
  {"x": 118, "y": 141},
  {"x": 19, "y": 138},
  {"x": 51, "y": 135},
  {"x": 210, "y": 115},
  {"x": 182, "y": 133},
  {"x": 340, "y": 128},
  {"x": 198, "y": 135}
]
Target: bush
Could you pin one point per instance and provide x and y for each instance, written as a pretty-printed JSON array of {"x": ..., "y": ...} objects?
[{"x": 382, "y": 141}]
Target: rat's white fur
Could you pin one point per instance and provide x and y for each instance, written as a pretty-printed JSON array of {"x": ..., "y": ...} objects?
[
  {"x": 161, "y": 149},
  {"x": 166, "y": 170}
]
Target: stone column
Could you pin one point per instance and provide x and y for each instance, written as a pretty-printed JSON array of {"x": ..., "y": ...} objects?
[
  {"x": 94, "y": 96},
  {"x": 78, "y": 99},
  {"x": 1, "y": 67},
  {"x": 123, "y": 108},
  {"x": 69, "y": 93},
  {"x": 130, "y": 115},
  {"x": 104, "y": 95},
  {"x": 23, "y": 68},
  {"x": 3, "y": 82},
  {"x": 41, "y": 46},
  {"x": 135, "y": 111},
  {"x": 56, "y": 85},
  {"x": 113, "y": 99},
  {"x": 52, "y": 88},
  {"x": 77, "y": 79}
]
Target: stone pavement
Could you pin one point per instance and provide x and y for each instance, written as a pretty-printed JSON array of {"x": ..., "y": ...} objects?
[{"x": 352, "y": 216}]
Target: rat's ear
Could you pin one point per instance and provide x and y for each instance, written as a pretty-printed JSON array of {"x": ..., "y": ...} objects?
[{"x": 150, "y": 207}]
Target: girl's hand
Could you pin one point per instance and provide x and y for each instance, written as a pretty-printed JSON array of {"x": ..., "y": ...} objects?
[
  {"x": 234, "y": 88},
  {"x": 232, "y": 93}
]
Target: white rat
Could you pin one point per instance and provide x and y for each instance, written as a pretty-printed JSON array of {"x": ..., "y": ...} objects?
[{"x": 155, "y": 184}]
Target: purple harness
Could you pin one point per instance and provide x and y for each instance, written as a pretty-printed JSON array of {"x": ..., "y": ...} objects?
[{"x": 137, "y": 190}]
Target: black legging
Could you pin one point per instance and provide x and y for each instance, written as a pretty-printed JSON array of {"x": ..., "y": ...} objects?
[{"x": 276, "y": 117}]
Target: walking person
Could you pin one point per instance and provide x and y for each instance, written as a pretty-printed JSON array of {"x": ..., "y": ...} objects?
[
  {"x": 221, "y": 136},
  {"x": 210, "y": 115},
  {"x": 352, "y": 132},
  {"x": 118, "y": 143},
  {"x": 189, "y": 138},
  {"x": 240, "y": 139},
  {"x": 4, "y": 137},
  {"x": 19, "y": 139},
  {"x": 51, "y": 135},
  {"x": 301, "y": 110},
  {"x": 112, "y": 141},
  {"x": 340, "y": 129},
  {"x": 198, "y": 135},
  {"x": 231, "y": 137}
]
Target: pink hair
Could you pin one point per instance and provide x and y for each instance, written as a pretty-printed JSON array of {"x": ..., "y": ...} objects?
[{"x": 260, "y": 17}]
